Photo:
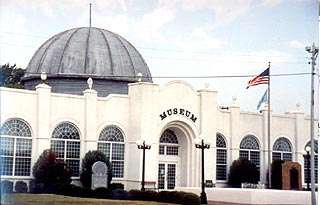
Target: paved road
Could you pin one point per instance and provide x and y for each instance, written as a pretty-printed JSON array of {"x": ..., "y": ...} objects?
[{"x": 228, "y": 203}]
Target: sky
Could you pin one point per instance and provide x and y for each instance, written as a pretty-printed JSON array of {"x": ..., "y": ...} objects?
[{"x": 186, "y": 38}]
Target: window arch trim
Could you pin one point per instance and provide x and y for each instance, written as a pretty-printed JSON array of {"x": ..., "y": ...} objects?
[
  {"x": 221, "y": 136},
  {"x": 72, "y": 125},
  {"x": 255, "y": 143},
  {"x": 20, "y": 120},
  {"x": 116, "y": 129},
  {"x": 165, "y": 138},
  {"x": 277, "y": 145}
]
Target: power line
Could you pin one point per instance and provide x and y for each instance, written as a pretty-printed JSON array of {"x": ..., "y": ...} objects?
[
  {"x": 204, "y": 76},
  {"x": 156, "y": 49}
]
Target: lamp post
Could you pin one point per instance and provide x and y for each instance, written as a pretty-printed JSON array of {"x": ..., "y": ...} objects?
[
  {"x": 142, "y": 145},
  {"x": 201, "y": 144},
  {"x": 313, "y": 50},
  {"x": 307, "y": 158}
]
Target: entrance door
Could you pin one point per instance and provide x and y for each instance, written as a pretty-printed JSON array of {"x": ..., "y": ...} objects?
[{"x": 167, "y": 175}]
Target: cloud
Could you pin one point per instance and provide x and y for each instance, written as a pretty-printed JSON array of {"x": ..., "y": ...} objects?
[
  {"x": 224, "y": 11},
  {"x": 198, "y": 39},
  {"x": 149, "y": 26},
  {"x": 296, "y": 44},
  {"x": 271, "y": 3}
]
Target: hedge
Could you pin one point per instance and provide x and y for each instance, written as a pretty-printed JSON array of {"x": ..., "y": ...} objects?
[{"x": 21, "y": 187}]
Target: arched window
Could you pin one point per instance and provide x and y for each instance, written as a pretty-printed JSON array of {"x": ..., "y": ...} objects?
[
  {"x": 16, "y": 146},
  {"x": 65, "y": 143},
  {"x": 249, "y": 149},
  {"x": 111, "y": 143},
  {"x": 282, "y": 150},
  {"x": 307, "y": 174},
  {"x": 221, "y": 165},
  {"x": 168, "y": 143}
]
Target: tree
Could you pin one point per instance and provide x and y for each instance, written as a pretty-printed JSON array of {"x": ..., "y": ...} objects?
[
  {"x": 276, "y": 174},
  {"x": 10, "y": 76},
  {"x": 89, "y": 159},
  {"x": 243, "y": 171},
  {"x": 51, "y": 172}
]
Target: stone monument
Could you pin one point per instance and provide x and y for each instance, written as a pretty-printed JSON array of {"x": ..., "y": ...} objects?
[
  {"x": 291, "y": 176},
  {"x": 99, "y": 176}
]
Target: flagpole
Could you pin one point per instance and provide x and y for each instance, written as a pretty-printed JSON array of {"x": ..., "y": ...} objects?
[{"x": 269, "y": 148}]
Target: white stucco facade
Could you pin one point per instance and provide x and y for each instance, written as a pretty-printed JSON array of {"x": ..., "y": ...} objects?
[{"x": 145, "y": 113}]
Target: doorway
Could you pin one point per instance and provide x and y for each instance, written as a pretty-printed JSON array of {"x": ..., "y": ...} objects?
[{"x": 167, "y": 175}]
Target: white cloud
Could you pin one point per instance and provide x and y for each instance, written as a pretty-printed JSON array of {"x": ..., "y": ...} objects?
[
  {"x": 296, "y": 44},
  {"x": 198, "y": 40},
  {"x": 271, "y": 3},
  {"x": 224, "y": 11},
  {"x": 150, "y": 25}
]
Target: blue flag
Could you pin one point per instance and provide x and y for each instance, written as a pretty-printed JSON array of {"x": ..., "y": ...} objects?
[{"x": 263, "y": 99}]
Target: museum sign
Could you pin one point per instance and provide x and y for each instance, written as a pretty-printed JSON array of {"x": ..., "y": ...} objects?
[{"x": 178, "y": 111}]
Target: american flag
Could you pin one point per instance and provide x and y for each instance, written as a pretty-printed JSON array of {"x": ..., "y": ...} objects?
[{"x": 263, "y": 78}]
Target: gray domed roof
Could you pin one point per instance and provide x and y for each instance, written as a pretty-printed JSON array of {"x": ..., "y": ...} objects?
[{"x": 88, "y": 52}]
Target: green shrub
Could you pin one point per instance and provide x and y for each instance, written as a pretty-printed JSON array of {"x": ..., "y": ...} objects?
[
  {"x": 102, "y": 193},
  {"x": 114, "y": 186},
  {"x": 164, "y": 196},
  {"x": 119, "y": 194},
  {"x": 178, "y": 197},
  {"x": 6, "y": 186},
  {"x": 135, "y": 195},
  {"x": 243, "y": 171},
  {"x": 191, "y": 199},
  {"x": 21, "y": 187},
  {"x": 276, "y": 174},
  {"x": 50, "y": 173},
  {"x": 89, "y": 159}
]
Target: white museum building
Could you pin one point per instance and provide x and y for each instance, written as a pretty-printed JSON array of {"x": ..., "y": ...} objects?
[{"x": 69, "y": 115}]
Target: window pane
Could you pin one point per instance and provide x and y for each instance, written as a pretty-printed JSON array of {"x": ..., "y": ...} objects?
[
  {"x": 74, "y": 166},
  {"x": 276, "y": 156},
  {"x": 255, "y": 158},
  {"x": 221, "y": 156},
  {"x": 23, "y": 148},
  {"x": 73, "y": 149},
  {"x": 243, "y": 154},
  {"x": 172, "y": 150},
  {"x": 161, "y": 176},
  {"x": 117, "y": 151},
  {"x": 161, "y": 149},
  {"x": 171, "y": 176},
  {"x": 287, "y": 156},
  {"x": 117, "y": 169},
  {"x": 6, "y": 165},
  {"x": 6, "y": 146},
  {"x": 104, "y": 148},
  {"x": 22, "y": 167},
  {"x": 57, "y": 146},
  {"x": 221, "y": 172}
]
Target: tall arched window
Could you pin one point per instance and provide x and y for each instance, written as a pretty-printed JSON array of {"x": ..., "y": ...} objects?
[
  {"x": 65, "y": 143},
  {"x": 16, "y": 146},
  {"x": 111, "y": 143},
  {"x": 221, "y": 165},
  {"x": 168, "y": 143},
  {"x": 305, "y": 167},
  {"x": 282, "y": 150},
  {"x": 249, "y": 149}
]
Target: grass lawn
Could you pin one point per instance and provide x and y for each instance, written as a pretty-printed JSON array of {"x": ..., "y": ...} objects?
[{"x": 51, "y": 199}]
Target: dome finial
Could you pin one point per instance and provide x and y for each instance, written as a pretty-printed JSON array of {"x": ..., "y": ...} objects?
[
  {"x": 139, "y": 75},
  {"x": 43, "y": 76},
  {"x": 90, "y": 82}
]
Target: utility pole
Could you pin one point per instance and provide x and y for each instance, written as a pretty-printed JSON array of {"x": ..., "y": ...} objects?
[
  {"x": 90, "y": 5},
  {"x": 313, "y": 50}
]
